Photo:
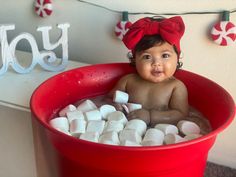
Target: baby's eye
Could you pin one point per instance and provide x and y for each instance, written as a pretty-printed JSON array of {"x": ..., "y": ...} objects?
[
  {"x": 147, "y": 57},
  {"x": 165, "y": 55}
]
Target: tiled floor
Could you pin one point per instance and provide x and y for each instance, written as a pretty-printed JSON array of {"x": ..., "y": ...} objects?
[{"x": 214, "y": 170}]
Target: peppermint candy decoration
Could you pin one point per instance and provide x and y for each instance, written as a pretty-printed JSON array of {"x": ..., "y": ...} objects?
[
  {"x": 123, "y": 26},
  {"x": 43, "y": 7},
  {"x": 224, "y": 32}
]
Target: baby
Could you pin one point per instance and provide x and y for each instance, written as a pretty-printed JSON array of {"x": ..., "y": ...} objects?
[{"x": 155, "y": 46}]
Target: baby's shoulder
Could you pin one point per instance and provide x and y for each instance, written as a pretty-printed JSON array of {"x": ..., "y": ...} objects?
[
  {"x": 129, "y": 77},
  {"x": 177, "y": 83}
]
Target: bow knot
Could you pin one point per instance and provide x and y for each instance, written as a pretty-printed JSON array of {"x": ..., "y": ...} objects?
[{"x": 171, "y": 30}]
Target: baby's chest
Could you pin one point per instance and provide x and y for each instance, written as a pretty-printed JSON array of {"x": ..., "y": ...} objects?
[{"x": 151, "y": 97}]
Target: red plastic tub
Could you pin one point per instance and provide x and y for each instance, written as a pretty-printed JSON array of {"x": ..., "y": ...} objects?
[{"x": 67, "y": 156}]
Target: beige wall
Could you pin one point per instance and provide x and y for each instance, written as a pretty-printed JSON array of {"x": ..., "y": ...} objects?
[
  {"x": 91, "y": 40},
  {"x": 16, "y": 144}
]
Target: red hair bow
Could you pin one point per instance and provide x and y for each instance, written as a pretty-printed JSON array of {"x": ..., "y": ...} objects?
[{"x": 170, "y": 29}]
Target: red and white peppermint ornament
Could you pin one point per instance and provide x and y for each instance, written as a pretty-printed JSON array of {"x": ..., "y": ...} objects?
[
  {"x": 43, "y": 7},
  {"x": 122, "y": 27},
  {"x": 224, "y": 32}
]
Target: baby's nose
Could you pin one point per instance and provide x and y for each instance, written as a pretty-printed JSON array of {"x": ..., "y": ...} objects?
[{"x": 156, "y": 62}]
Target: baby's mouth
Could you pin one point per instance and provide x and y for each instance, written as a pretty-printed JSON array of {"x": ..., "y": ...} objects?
[{"x": 157, "y": 73}]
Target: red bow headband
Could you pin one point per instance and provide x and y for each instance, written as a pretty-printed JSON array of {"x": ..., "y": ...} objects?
[{"x": 171, "y": 30}]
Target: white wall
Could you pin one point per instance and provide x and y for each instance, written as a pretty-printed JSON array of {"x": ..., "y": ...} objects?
[{"x": 91, "y": 40}]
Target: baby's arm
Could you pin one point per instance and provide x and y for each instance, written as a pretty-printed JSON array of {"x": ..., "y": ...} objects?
[
  {"x": 120, "y": 85},
  {"x": 178, "y": 107}
]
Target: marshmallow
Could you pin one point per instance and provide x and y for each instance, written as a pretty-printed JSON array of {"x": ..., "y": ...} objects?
[
  {"x": 129, "y": 143},
  {"x": 106, "y": 109},
  {"x": 136, "y": 124},
  {"x": 117, "y": 116},
  {"x": 90, "y": 136},
  {"x": 133, "y": 106},
  {"x": 77, "y": 127},
  {"x": 93, "y": 115},
  {"x": 120, "y": 97},
  {"x": 108, "y": 142},
  {"x": 86, "y": 106},
  {"x": 74, "y": 115},
  {"x": 187, "y": 127},
  {"x": 66, "y": 109},
  {"x": 131, "y": 135},
  {"x": 155, "y": 135},
  {"x": 64, "y": 131},
  {"x": 95, "y": 126},
  {"x": 113, "y": 126},
  {"x": 192, "y": 136},
  {"x": 150, "y": 143},
  {"x": 60, "y": 123},
  {"x": 167, "y": 128},
  {"x": 173, "y": 138},
  {"x": 109, "y": 138}
]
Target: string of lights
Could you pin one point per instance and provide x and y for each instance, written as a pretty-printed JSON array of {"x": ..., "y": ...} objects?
[
  {"x": 152, "y": 13},
  {"x": 222, "y": 33}
]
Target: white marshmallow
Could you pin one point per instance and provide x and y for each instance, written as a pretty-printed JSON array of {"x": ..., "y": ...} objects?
[
  {"x": 167, "y": 128},
  {"x": 117, "y": 116},
  {"x": 77, "y": 127},
  {"x": 131, "y": 135},
  {"x": 86, "y": 106},
  {"x": 64, "y": 131},
  {"x": 120, "y": 97},
  {"x": 192, "y": 136},
  {"x": 108, "y": 142},
  {"x": 113, "y": 126},
  {"x": 187, "y": 127},
  {"x": 133, "y": 106},
  {"x": 137, "y": 124},
  {"x": 108, "y": 137},
  {"x": 155, "y": 135},
  {"x": 106, "y": 109},
  {"x": 90, "y": 136},
  {"x": 95, "y": 126},
  {"x": 150, "y": 143},
  {"x": 129, "y": 143},
  {"x": 66, "y": 109},
  {"x": 60, "y": 123},
  {"x": 93, "y": 115},
  {"x": 173, "y": 138},
  {"x": 74, "y": 115}
]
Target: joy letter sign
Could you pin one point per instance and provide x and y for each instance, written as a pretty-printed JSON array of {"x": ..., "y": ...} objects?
[{"x": 46, "y": 59}]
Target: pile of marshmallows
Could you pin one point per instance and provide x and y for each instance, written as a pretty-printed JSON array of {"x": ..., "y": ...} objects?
[{"x": 108, "y": 126}]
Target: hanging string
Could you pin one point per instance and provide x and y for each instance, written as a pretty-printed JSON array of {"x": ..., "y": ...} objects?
[{"x": 151, "y": 13}]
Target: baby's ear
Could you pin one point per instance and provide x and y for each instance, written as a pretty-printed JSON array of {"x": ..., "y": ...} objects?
[
  {"x": 179, "y": 64},
  {"x": 132, "y": 61},
  {"x": 131, "y": 58}
]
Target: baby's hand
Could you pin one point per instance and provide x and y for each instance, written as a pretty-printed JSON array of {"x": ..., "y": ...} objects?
[
  {"x": 118, "y": 107},
  {"x": 142, "y": 114},
  {"x": 109, "y": 101}
]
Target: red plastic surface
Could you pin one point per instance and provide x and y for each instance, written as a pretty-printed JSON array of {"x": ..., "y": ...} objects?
[{"x": 71, "y": 157}]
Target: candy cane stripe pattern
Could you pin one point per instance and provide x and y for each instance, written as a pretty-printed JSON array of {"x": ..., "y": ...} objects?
[
  {"x": 121, "y": 28},
  {"x": 43, "y": 7},
  {"x": 224, "y": 33}
]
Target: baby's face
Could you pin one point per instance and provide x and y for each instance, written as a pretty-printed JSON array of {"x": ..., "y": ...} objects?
[{"x": 157, "y": 63}]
